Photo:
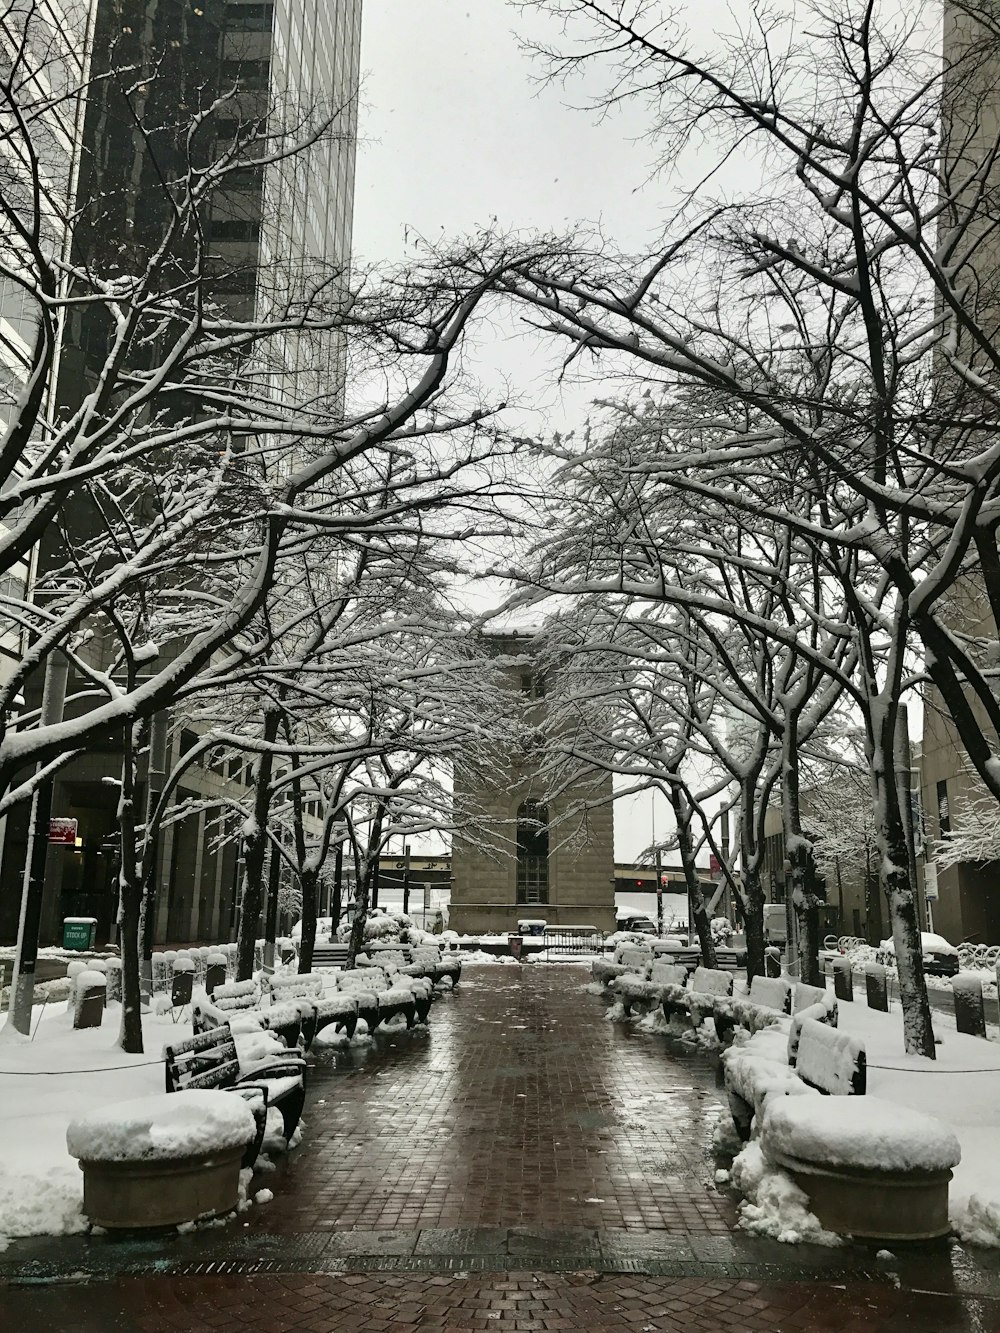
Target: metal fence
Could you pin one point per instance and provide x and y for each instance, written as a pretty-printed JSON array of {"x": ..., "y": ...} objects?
[{"x": 572, "y": 941}]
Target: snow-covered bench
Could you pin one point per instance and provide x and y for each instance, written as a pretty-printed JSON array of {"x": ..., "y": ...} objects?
[
  {"x": 412, "y": 960},
  {"x": 209, "y": 1060},
  {"x": 767, "y": 997},
  {"x": 241, "y": 1001},
  {"x": 382, "y": 996},
  {"x": 698, "y": 998},
  {"x": 634, "y": 988},
  {"x": 631, "y": 958},
  {"x": 318, "y": 1006},
  {"x": 827, "y": 1060},
  {"x": 773, "y": 1062}
]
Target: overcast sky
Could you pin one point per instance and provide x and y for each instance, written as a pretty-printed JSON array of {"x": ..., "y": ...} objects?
[{"x": 455, "y": 131}]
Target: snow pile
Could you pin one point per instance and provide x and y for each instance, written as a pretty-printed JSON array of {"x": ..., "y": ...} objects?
[
  {"x": 171, "y": 1125},
  {"x": 480, "y": 956},
  {"x": 773, "y": 1205},
  {"x": 863, "y": 1132},
  {"x": 977, "y": 1220}
]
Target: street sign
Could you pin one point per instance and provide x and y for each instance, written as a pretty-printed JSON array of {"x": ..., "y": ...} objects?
[
  {"x": 930, "y": 882},
  {"x": 714, "y": 865},
  {"x": 62, "y": 832}
]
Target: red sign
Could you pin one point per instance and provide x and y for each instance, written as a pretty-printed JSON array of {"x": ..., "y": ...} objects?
[
  {"x": 62, "y": 832},
  {"x": 714, "y": 865}
]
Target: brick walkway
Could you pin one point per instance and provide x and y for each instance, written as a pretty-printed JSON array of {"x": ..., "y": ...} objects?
[
  {"x": 398, "y": 1303},
  {"x": 526, "y": 1164},
  {"x": 522, "y": 1107}
]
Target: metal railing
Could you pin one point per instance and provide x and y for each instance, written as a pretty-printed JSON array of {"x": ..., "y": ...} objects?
[{"x": 572, "y": 940}]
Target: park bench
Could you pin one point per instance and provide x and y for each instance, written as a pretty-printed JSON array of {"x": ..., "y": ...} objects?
[
  {"x": 318, "y": 1006},
  {"x": 380, "y": 999},
  {"x": 832, "y": 1062},
  {"x": 766, "y": 998},
  {"x": 209, "y": 1060},
  {"x": 697, "y": 999},
  {"x": 772, "y": 1062},
  {"x": 634, "y": 988},
  {"x": 627, "y": 958},
  {"x": 414, "y": 960},
  {"x": 329, "y": 955},
  {"x": 241, "y": 1000}
]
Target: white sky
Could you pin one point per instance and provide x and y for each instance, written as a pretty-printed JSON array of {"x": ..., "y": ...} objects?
[{"x": 456, "y": 131}]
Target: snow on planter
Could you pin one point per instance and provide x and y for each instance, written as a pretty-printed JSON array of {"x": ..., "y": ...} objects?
[
  {"x": 864, "y": 1133},
  {"x": 870, "y": 1168},
  {"x": 163, "y": 1160},
  {"x": 168, "y": 1125}
]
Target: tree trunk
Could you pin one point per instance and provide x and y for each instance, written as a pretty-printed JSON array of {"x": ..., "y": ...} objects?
[
  {"x": 918, "y": 1034},
  {"x": 130, "y": 893},
  {"x": 753, "y": 923},
  {"x": 356, "y": 943},
  {"x": 682, "y": 818},
  {"x": 254, "y": 849},
  {"x": 807, "y": 899},
  {"x": 309, "y": 886},
  {"x": 805, "y": 888}
]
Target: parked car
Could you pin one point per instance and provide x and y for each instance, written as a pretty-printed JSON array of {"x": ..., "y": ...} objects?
[
  {"x": 639, "y": 924},
  {"x": 940, "y": 957}
]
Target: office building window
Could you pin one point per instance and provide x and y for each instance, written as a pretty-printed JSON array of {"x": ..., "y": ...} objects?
[{"x": 532, "y": 853}]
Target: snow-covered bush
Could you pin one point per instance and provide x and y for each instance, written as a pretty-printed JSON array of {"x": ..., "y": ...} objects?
[
  {"x": 722, "y": 930},
  {"x": 380, "y": 925}
]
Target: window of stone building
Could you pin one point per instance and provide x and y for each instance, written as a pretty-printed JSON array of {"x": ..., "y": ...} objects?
[
  {"x": 532, "y": 853},
  {"x": 533, "y": 685}
]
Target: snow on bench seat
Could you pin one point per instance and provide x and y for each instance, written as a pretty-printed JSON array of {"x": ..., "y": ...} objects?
[{"x": 633, "y": 988}]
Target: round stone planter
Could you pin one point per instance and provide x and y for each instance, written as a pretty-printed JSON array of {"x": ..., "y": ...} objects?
[
  {"x": 874, "y": 1205},
  {"x": 161, "y": 1192}
]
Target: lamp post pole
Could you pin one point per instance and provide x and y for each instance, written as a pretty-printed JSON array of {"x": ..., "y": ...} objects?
[{"x": 22, "y": 985}]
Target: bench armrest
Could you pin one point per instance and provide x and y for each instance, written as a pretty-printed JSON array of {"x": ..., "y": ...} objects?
[{"x": 277, "y": 1067}]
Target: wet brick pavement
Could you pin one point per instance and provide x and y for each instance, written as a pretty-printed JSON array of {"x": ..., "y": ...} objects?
[
  {"x": 525, "y": 1163},
  {"x": 522, "y": 1106}
]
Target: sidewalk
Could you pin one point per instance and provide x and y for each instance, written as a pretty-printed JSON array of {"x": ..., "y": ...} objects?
[{"x": 523, "y": 1163}]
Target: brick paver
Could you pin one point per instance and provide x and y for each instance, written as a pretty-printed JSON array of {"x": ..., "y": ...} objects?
[
  {"x": 523, "y": 1131},
  {"x": 519, "y": 1302},
  {"x": 522, "y": 1106}
]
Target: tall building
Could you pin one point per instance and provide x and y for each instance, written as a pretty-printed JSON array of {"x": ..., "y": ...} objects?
[
  {"x": 535, "y": 857},
  {"x": 245, "y": 69},
  {"x": 964, "y": 899}
]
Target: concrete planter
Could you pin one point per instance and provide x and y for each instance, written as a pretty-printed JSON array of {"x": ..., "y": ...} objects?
[
  {"x": 874, "y": 1205},
  {"x": 161, "y": 1192}
]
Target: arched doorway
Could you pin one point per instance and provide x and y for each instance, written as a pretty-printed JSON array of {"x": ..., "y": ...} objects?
[{"x": 532, "y": 853}]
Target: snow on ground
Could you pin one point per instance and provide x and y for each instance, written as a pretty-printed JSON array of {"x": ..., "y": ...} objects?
[
  {"x": 45, "y": 1084},
  {"x": 961, "y": 1088},
  {"x": 58, "y": 1076}
]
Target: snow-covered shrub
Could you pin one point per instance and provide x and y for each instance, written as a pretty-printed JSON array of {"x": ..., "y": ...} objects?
[
  {"x": 380, "y": 925},
  {"x": 722, "y": 930}
]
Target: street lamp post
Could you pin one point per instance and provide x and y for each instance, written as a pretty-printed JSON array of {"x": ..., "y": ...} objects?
[{"x": 22, "y": 986}]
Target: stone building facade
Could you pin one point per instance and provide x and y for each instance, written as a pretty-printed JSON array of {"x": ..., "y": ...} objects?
[{"x": 543, "y": 859}]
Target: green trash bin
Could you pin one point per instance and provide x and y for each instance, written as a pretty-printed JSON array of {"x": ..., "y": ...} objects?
[{"x": 79, "y": 932}]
